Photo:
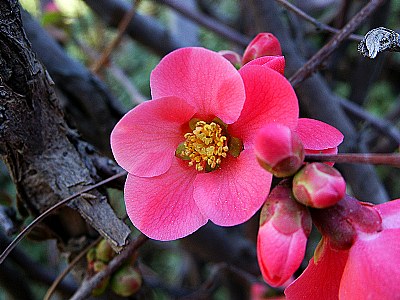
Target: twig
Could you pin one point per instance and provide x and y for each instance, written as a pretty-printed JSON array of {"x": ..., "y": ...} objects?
[
  {"x": 64, "y": 273},
  {"x": 319, "y": 25},
  {"x": 28, "y": 228},
  {"x": 390, "y": 159},
  {"x": 382, "y": 125},
  {"x": 121, "y": 30},
  {"x": 209, "y": 23},
  {"x": 87, "y": 286},
  {"x": 315, "y": 61}
]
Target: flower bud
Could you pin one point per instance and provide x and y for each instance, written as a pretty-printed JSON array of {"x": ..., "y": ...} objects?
[
  {"x": 264, "y": 44},
  {"x": 126, "y": 281},
  {"x": 104, "y": 252},
  {"x": 282, "y": 236},
  {"x": 233, "y": 57},
  {"x": 279, "y": 150},
  {"x": 318, "y": 185},
  {"x": 102, "y": 286}
]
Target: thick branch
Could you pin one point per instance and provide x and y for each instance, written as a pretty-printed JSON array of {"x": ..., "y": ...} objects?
[
  {"x": 88, "y": 102},
  {"x": 46, "y": 159}
]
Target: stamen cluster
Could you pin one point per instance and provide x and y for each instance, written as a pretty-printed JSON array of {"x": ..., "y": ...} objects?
[{"x": 205, "y": 146}]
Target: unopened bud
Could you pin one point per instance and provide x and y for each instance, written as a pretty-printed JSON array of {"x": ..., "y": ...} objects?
[
  {"x": 102, "y": 286},
  {"x": 264, "y": 44},
  {"x": 104, "y": 252},
  {"x": 318, "y": 185},
  {"x": 279, "y": 150},
  {"x": 284, "y": 228},
  {"x": 126, "y": 281}
]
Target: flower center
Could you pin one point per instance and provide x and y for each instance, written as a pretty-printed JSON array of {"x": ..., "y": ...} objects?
[{"x": 204, "y": 147}]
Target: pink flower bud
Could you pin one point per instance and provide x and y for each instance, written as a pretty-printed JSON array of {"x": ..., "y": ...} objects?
[
  {"x": 318, "y": 185},
  {"x": 233, "y": 57},
  {"x": 282, "y": 236},
  {"x": 126, "y": 281},
  {"x": 279, "y": 150},
  {"x": 264, "y": 44}
]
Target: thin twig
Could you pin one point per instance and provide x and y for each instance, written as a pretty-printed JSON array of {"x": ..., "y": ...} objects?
[
  {"x": 382, "y": 125},
  {"x": 314, "y": 62},
  {"x": 87, "y": 286},
  {"x": 122, "y": 26},
  {"x": 389, "y": 159},
  {"x": 319, "y": 25},
  {"x": 210, "y": 23},
  {"x": 64, "y": 273},
  {"x": 28, "y": 228}
]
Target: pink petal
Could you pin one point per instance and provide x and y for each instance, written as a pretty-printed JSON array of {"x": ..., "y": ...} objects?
[
  {"x": 145, "y": 139},
  {"x": 279, "y": 255},
  {"x": 162, "y": 207},
  {"x": 372, "y": 270},
  {"x": 232, "y": 194},
  {"x": 276, "y": 63},
  {"x": 317, "y": 135},
  {"x": 320, "y": 280},
  {"x": 204, "y": 79},
  {"x": 269, "y": 98},
  {"x": 390, "y": 213}
]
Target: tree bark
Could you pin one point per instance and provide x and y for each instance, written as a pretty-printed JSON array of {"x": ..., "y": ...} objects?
[{"x": 45, "y": 157}]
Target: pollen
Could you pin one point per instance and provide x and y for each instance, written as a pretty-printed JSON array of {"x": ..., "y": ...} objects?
[{"x": 205, "y": 146}]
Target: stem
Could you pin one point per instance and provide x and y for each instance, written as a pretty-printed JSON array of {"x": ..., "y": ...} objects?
[{"x": 390, "y": 159}]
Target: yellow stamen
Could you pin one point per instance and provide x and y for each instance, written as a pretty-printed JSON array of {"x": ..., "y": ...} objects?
[{"x": 205, "y": 146}]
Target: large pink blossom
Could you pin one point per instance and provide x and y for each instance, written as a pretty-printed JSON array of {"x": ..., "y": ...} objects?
[
  {"x": 177, "y": 181},
  {"x": 165, "y": 197},
  {"x": 369, "y": 269}
]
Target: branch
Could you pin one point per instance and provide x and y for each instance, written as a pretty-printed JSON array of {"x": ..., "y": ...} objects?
[
  {"x": 88, "y": 285},
  {"x": 319, "y": 25},
  {"x": 312, "y": 65},
  {"x": 144, "y": 29},
  {"x": 212, "y": 24},
  {"x": 317, "y": 101},
  {"x": 88, "y": 103},
  {"x": 46, "y": 159}
]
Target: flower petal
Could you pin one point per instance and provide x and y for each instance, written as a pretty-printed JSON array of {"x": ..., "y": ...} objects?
[
  {"x": 162, "y": 207},
  {"x": 269, "y": 98},
  {"x": 232, "y": 194},
  {"x": 279, "y": 255},
  {"x": 204, "y": 79},
  {"x": 372, "y": 270},
  {"x": 145, "y": 139},
  {"x": 317, "y": 135},
  {"x": 390, "y": 213},
  {"x": 276, "y": 63},
  {"x": 320, "y": 280}
]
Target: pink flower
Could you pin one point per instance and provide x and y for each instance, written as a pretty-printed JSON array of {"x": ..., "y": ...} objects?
[
  {"x": 318, "y": 185},
  {"x": 368, "y": 269},
  {"x": 284, "y": 228},
  {"x": 176, "y": 181},
  {"x": 264, "y": 44},
  {"x": 279, "y": 150}
]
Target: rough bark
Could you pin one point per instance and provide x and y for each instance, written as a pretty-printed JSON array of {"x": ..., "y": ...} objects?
[
  {"x": 87, "y": 102},
  {"x": 46, "y": 159}
]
